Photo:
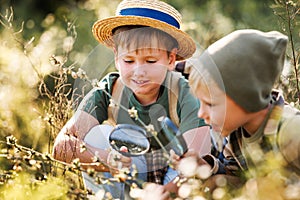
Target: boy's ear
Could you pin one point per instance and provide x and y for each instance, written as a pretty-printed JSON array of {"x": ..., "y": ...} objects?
[
  {"x": 116, "y": 58},
  {"x": 172, "y": 59},
  {"x": 116, "y": 63}
]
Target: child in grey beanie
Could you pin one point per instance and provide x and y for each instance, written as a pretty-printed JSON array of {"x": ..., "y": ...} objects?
[{"x": 234, "y": 80}]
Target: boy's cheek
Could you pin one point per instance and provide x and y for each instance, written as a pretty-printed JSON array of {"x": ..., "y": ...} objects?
[{"x": 125, "y": 72}]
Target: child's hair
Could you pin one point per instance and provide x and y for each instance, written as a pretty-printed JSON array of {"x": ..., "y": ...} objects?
[
  {"x": 200, "y": 80},
  {"x": 139, "y": 37},
  {"x": 196, "y": 81}
]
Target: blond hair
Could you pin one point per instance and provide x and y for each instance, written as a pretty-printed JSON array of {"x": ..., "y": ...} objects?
[
  {"x": 140, "y": 37},
  {"x": 200, "y": 79}
]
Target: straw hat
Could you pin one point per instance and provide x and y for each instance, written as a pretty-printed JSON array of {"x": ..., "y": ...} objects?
[{"x": 152, "y": 13}]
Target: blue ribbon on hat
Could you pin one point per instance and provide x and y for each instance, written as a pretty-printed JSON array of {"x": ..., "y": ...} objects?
[{"x": 154, "y": 14}]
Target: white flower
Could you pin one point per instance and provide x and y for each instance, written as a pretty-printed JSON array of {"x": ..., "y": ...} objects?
[
  {"x": 221, "y": 181},
  {"x": 204, "y": 171},
  {"x": 112, "y": 103},
  {"x": 68, "y": 43},
  {"x": 251, "y": 188},
  {"x": 99, "y": 195},
  {"x": 74, "y": 75},
  {"x": 219, "y": 193},
  {"x": 101, "y": 85},
  {"x": 81, "y": 73},
  {"x": 136, "y": 193},
  {"x": 150, "y": 129},
  {"x": 94, "y": 82},
  {"x": 188, "y": 166},
  {"x": 185, "y": 190},
  {"x": 133, "y": 113},
  {"x": 199, "y": 198},
  {"x": 292, "y": 191}
]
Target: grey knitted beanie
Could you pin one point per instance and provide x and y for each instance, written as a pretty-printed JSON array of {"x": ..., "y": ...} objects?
[{"x": 248, "y": 62}]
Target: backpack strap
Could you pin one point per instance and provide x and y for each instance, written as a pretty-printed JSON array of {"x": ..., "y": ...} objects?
[
  {"x": 173, "y": 92},
  {"x": 116, "y": 96}
]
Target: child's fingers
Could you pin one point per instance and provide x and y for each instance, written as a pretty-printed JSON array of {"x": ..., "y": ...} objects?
[
  {"x": 173, "y": 155},
  {"x": 190, "y": 152},
  {"x": 126, "y": 161},
  {"x": 174, "y": 159}
]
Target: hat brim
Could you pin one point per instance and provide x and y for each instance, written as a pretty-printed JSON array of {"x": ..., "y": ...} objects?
[{"x": 102, "y": 31}]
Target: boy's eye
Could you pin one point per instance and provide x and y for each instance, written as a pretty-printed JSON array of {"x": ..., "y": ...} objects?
[
  {"x": 208, "y": 104},
  {"x": 128, "y": 61},
  {"x": 151, "y": 61}
]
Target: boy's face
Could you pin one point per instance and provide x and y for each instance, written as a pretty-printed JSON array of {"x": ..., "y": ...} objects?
[
  {"x": 144, "y": 70},
  {"x": 219, "y": 110}
]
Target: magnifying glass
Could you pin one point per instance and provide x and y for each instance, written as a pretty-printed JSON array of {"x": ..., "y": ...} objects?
[
  {"x": 174, "y": 136},
  {"x": 129, "y": 140}
]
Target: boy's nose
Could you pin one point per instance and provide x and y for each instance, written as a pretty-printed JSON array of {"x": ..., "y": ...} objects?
[{"x": 139, "y": 69}]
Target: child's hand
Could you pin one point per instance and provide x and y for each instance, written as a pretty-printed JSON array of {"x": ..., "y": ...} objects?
[
  {"x": 175, "y": 159},
  {"x": 117, "y": 161},
  {"x": 150, "y": 192}
]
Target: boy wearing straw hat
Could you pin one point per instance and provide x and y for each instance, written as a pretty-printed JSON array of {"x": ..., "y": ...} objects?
[
  {"x": 146, "y": 38},
  {"x": 233, "y": 79}
]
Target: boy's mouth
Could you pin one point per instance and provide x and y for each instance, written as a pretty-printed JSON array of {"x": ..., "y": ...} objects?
[{"x": 140, "y": 82}]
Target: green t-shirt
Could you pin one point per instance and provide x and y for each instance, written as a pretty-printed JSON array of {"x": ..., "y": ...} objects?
[{"x": 97, "y": 102}]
